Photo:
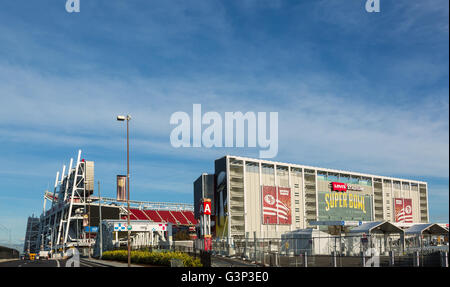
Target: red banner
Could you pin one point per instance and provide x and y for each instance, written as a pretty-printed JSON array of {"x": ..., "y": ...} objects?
[
  {"x": 269, "y": 194},
  {"x": 407, "y": 206},
  {"x": 403, "y": 210},
  {"x": 284, "y": 205},
  {"x": 276, "y": 205}
]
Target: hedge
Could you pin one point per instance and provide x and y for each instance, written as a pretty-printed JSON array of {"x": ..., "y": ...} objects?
[{"x": 152, "y": 257}]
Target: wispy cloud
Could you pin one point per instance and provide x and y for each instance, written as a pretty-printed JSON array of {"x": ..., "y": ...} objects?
[
  {"x": 354, "y": 91},
  {"x": 411, "y": 139}
]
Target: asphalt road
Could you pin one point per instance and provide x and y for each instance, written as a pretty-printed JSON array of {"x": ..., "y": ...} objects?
[
  {"x": 47, "y": 263},
  {"x": 216, "y": 262},
  {"x": 34, "y": 263}
]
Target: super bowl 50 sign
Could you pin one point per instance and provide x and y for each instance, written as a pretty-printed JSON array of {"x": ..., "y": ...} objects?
[{"x": 344, "y": 206}]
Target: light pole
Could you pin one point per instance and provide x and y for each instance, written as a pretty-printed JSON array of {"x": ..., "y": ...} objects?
[
  {"x": 128, "y": 118},
  {"x": 89, "y": 225},
  {"x": 100, "y": 221}
]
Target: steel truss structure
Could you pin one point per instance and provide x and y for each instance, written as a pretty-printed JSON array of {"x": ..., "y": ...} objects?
[
  {"x": 31, "y": 235},
  {"x": 136, "y": 204},
  {"x": 61, "y": 226}
]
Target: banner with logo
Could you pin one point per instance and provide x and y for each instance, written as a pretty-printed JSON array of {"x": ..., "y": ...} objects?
[
  {"x": 349, "y": 206},
  {"x": 403, "y": 210},
  {"x": 269, "y": 196},
  {"x": 284, "y": 205},
  {"x": 337, "y": 186},
  {"x": 276, "y": 205}
]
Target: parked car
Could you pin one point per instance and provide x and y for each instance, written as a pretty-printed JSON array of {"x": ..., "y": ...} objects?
[{"x": 43, "y": 255}]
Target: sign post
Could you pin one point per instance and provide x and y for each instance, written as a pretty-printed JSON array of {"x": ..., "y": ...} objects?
[{"x": 205, "y": 223}]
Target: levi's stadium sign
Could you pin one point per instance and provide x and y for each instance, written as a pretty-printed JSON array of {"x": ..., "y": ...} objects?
[{"x": 337, "y": 186}]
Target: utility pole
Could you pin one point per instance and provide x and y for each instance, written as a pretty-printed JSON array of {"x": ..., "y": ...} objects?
[
  {"x": 89, "y": 225},
  {"x": 100, "y": 220},
  {"x": 128, "y": 118},
  {"x": 128, "y": 192}
]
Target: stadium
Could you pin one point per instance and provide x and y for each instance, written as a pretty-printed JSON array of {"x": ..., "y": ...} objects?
[
  {"x": 259, "y": 211},
  {"x": 276, "y": 209},
  {"x": 266, "y": 198}
]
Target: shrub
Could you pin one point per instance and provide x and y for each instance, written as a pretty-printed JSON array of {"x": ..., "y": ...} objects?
[{"x": 152, "y": 258}]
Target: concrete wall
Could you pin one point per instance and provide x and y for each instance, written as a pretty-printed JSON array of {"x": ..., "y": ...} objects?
[{"x": 8, "y": 253}]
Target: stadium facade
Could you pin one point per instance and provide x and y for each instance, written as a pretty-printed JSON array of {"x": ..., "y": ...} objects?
[{"x": 261, "y": 198}]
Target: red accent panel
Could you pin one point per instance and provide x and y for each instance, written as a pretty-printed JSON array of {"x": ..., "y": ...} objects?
[
  {"x": 154, "y": 216},
  {"x": 190, "y": 216},
  {"x": 166, "y": 216},
  {"x": 139, "y": 214},
  {"x": 179, "y": 216}
]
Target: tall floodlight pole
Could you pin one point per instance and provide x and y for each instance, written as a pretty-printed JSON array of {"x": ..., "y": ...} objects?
[{"x": 128, "y": 118}]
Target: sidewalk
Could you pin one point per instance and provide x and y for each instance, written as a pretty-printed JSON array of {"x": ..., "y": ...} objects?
[{"x": 107, "y": 263}]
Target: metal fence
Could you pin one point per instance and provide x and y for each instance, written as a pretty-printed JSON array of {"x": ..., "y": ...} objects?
[
  {"x": 332, "y": 251},
  {"x": 344, "y": 245}
]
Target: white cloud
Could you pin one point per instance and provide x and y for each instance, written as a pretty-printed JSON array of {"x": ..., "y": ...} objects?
[{"x": 327, "y": 126}]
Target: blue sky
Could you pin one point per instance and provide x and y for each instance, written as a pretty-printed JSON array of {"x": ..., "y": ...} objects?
[{"x": 353, "y": 90}]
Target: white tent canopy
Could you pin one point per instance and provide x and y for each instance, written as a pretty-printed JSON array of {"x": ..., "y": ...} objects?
[
  {"x": 426, "y": 228},
  {"x": 377, "y": 227}
]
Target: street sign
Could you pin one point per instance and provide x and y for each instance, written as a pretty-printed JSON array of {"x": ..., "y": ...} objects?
[
  {"x": 93, "y": 229},
  {"x": 140, "y": 226},
  {"x": 119, "y": 227}
]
